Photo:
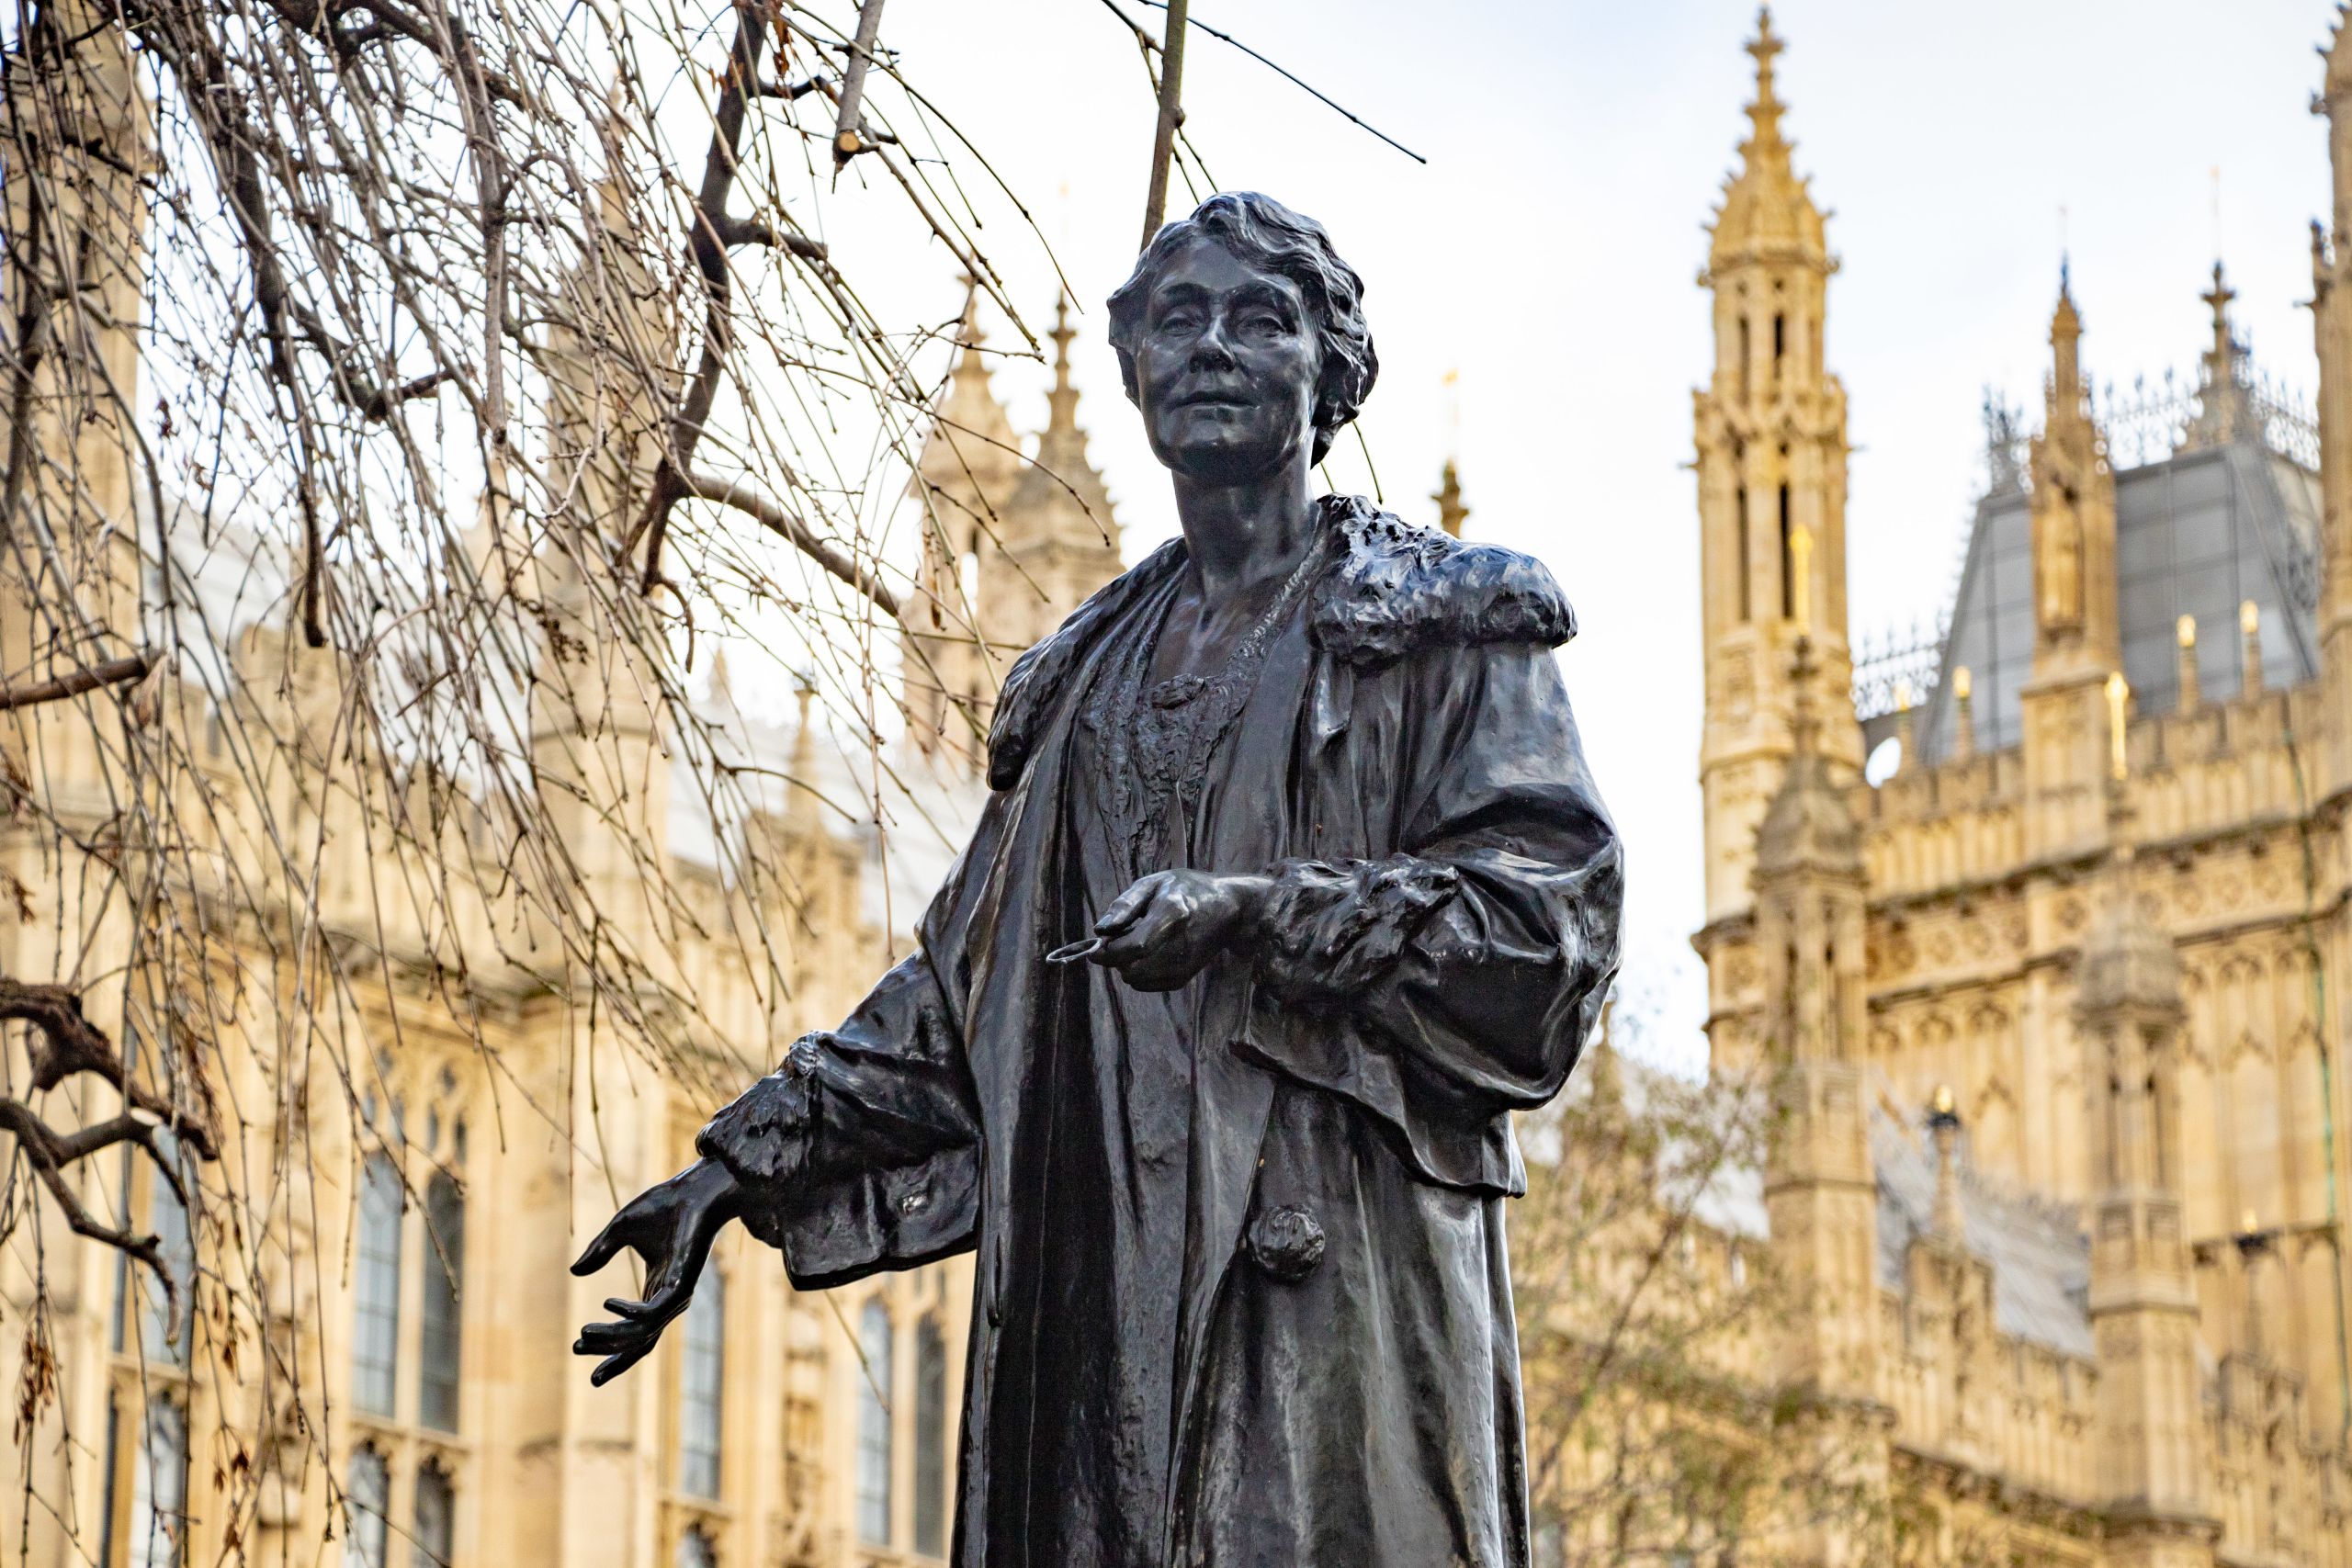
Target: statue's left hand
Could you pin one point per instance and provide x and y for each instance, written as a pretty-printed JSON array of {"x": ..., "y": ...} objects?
[
  {"x": 671, "y": 1227},
  {"x": 1164, "y": 930}
]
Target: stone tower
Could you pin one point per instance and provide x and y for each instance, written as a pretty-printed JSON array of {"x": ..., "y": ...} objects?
[
  {"x": 595, "y": 713},
  {"x": 2143, "y": 1305},
  {"x": 1060, "y": 540},
  {"x": 1820, "y": 1191},
  {"x": 969, "y": 466},
  {"x": 2075, "y": 642},
  {"x": 1772, "y": 464},
  {"x": 2331, "y": 319},
  {"x": 1009, "y": 547}
]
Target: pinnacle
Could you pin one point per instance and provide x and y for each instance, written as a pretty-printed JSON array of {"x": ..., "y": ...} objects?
[
  {"x": 2219, "y": 297},
  {"x": 1766, "y": 144},
  {"x": 1062, "y": 403},
  {"x": 2065, "y": 317},
  {"x": 1809, "y": 823},
  {"x": 1766, "y": 206}
]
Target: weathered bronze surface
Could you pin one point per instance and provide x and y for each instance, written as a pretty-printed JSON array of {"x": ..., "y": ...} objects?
[{"x": 1293, "y": 886}]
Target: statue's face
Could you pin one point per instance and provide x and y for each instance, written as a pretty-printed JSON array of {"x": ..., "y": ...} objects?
[{"x": 1225, "y": 366}]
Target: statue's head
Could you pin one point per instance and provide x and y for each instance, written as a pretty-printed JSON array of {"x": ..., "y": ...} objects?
[{"x": 1242, "y": 338}]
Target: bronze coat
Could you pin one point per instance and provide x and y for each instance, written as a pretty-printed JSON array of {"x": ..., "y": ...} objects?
[{"x": 1444, "y": 928}]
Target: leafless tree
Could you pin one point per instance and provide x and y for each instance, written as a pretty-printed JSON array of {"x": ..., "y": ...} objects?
[
  {"x": 402, "y": 398},
  {"x": 1649, "y": 1304}
]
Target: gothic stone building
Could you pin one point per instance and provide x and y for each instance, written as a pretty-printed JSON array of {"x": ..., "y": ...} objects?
[
  {"x": 2096, "y": 908},
  {"x": 414, "y": 1276}
]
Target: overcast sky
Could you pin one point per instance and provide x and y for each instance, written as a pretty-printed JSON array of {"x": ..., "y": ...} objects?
[{"x": 1548, "y": 251}]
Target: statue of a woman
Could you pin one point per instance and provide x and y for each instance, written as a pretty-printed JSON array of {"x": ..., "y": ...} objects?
[{"x": 1293, "y": 888}]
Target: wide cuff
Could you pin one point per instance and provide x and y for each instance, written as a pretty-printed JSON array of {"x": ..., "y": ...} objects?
[
  {"x": 762, "y": 1136},
  {"x": 1331, "y": 930}
]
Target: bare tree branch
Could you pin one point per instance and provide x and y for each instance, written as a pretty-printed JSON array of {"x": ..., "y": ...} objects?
[{"x": 107, "y": 672}]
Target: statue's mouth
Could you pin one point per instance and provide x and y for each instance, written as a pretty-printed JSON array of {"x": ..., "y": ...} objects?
[{"x": 1216, "y": 400}]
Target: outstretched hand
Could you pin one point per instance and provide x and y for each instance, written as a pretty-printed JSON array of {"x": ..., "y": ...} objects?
[
  {"x": 1164, "y": 930},
  {"x": 671, "y": 1227}
]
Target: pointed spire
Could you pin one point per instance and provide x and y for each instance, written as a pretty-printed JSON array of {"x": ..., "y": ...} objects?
[
  {"x": 971, "y": 443},
  {"x": 1063, "y": 400},
  {"x": 1451, "y": 511},
  {"x": 2224, "y": 410},
  {"x": 2065, "y": 390},
  {"x": 1766, "y": 206},
  {"x": 1765, "y": 145},
  {"x": 722, "y": 687},
  {"x": 2218, "y": 298},
  {"x": 2073, "y": 522},
  {"x": 800, "y": 768},
  {"x": 1061, "y": 496}
]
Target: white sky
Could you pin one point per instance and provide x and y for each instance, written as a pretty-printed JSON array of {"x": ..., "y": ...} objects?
[{"x": 1550, "y": 247}]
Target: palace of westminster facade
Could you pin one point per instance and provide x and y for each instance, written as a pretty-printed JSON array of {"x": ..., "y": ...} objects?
[{"x": 2056, "y": 1009}]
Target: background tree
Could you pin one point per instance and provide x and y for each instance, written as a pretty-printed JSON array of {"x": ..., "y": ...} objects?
[
  {"x": 402, "y": 397},
  {"x": 1648, "y": 1299}
]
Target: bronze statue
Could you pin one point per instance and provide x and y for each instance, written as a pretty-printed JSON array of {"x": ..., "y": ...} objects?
[{"x": 1291, "y": 889}]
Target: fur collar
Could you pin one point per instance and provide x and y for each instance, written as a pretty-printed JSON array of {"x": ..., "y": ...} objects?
[
  {"x": 1402, "y": 587},
  {"x": 1393, "y": 589}
]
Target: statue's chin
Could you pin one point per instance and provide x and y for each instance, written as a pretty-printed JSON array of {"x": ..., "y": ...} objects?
[{"x": 1220, "y": 463}]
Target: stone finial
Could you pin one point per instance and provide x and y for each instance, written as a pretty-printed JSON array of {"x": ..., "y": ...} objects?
[
  {"x": 2250, "y": 636},
  {"x": 2224, "y": 406},
  {"x": 2191, "y": 693},
  {"x": 1949, "y": 1220},
  {"x": 1451, "y": 511},
  {"x": 2253, "y": 1246},
  {"x": 1764, "y": 205},
  {"x": 1964, "y": 729}
]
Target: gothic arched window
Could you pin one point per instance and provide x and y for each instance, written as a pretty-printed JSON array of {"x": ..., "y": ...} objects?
[
  {"x": 444, "y": 1273},
  {"x": 701, "y": 1373},
  {"x": 873, "y": 1458},
  {"x": 376, "y": 1306},
  {"x": 931, "y": 1439},
  {"x": 367, "y": 1500},
  {"x": 159, "y": 1489},
  {"x": 436, "y": 1519}
]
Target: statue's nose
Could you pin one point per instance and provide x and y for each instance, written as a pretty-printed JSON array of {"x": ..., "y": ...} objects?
[{"x": 1212, "y": 348}]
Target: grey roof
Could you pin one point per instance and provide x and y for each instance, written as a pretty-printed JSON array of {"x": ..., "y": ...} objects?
[
  {"x": 2040, "y": 1256},
  {"x": 2197, "y": 534}
]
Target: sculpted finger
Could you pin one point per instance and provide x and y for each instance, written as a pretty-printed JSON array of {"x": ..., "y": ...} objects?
[
  {"x": 613, "y": 1365},
  {"x": 604, "y": 1249},
  {"x": 1129, "y": 947},
  {"x": 608, "y": 1338},
  {"x": 1128, "y": 906}
]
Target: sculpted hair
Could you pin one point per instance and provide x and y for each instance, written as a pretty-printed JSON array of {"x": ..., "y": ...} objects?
[{"x": 1262, "y": 233}]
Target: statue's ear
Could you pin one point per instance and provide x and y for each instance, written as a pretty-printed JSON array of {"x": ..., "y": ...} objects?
[{"x": 1126, "y": 370}]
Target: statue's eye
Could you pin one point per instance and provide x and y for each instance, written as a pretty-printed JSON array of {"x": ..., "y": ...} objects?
[
  {"x": 1265, "y": 324},
  {"x": 1179, "y": 321}
]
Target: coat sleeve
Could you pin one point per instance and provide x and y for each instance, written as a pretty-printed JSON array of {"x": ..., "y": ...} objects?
[
  {"x": 861, "y": 1151},
  {"x": 1456, "y": 980}
]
